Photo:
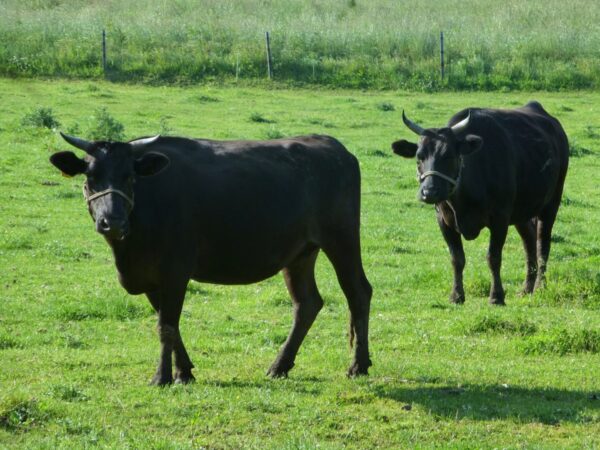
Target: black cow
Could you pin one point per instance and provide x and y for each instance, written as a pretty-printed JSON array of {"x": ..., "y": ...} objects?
[
  {"x": 493, "y": 168},
  {"x": 236, "y": 212}
]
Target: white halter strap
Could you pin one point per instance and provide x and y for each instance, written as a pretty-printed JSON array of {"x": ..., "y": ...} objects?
[
  {"x": 95, "y": 195},
  {"x": 429, "y": 173}
]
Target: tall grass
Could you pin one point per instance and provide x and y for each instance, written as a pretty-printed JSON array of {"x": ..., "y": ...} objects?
[{"x": 375, "y": 43}]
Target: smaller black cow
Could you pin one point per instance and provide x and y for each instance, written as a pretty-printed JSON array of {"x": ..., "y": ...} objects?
[
  {"x": 493, "y": 168},
  {"x": 227, "y": 212}
]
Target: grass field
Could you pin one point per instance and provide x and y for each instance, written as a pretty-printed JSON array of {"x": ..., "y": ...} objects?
[
  {"x": 77, "y": 351},
  {"x": 490, "y": 45}
]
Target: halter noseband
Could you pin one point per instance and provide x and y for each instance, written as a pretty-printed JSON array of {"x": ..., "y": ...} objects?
[
  {"x": 429, "y": 173},
  {"x": 95, "y": 195}
]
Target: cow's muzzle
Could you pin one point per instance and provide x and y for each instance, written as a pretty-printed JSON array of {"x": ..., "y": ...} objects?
[{"x": 112, "y": 228}]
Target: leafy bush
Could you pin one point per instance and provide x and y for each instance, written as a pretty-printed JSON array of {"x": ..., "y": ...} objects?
[
  {"x": 41, "y": 118},
  {"x": 105, "y": 127}
]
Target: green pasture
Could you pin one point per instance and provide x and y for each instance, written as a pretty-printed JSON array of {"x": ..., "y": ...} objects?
[
  {"x": 77, "y": 352},
  {"x": 490, "y": 45}
]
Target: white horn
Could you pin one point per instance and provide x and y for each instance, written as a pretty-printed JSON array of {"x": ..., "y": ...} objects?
[
  {"x": 461, "y": 126},
  {"x": 144, "y": 141}
]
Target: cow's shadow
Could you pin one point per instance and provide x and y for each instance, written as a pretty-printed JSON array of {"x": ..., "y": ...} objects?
[{"x": 476, "y": 402}]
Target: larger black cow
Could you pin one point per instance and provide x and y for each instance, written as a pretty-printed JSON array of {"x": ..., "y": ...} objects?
[
  {"x": 493, "y": 168},
  {"x": 175, "y": 209}
]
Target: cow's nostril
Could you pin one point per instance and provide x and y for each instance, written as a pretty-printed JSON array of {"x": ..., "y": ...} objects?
[{"x": 104, "y": 225}]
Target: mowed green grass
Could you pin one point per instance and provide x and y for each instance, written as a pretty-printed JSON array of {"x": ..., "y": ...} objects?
[{"x": 77, "y": 351}]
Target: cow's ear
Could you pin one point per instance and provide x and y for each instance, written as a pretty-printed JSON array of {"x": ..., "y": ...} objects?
[
  {"x": 150, "y": 164},
  {"x": 470, "y": 144},
  {"x": 68, "y": 163},
  {"x": 405, "y": 148}
]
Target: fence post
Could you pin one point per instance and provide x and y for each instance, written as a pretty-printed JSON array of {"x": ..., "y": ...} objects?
[
  {"x": 269, "y": 59},
  {"x": 442, "y": 53},
  {"x": 104, "y": 51}
]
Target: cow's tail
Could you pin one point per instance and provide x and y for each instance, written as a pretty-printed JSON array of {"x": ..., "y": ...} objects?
[{"x": 351, "y": 334}]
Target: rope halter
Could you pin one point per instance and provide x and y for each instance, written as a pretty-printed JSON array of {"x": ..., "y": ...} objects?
[
  {"x": 429, "y": 173},
  {"x": 95, "y": 195}
]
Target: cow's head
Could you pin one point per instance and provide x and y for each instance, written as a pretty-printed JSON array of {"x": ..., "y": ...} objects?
[
  {"x": 439, "y": 157},
  {"x": 110, "y": 170}
]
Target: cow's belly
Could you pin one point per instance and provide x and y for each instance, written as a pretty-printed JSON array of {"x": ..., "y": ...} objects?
[
  {"x": 235, "y": 277},
  {"x": 249, "y": 262}
]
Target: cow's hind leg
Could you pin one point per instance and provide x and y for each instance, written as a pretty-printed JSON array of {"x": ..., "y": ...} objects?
[
  {"x": 168, "y": 303},
  {"x": 498, "y": 233},
  {"x": 545, "y": 223},
  {"x": 307, "y": 302},
  {"x": 457, "y": 255},
  {"x": 528, "y": 236},
  {"x": 344, "y": 254}
]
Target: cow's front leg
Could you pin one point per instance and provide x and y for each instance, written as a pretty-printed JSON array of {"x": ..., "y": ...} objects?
[
  {"x": 169, "y": 301},
  {"x": 457, "y": 255},
  {"x": 494, "y": 257}
]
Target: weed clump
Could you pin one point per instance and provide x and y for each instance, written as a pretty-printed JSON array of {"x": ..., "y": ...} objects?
[
  {"x": 68, "y": 393},
  {"x": 274, "y": 133},
  {"x": 106, "y": 127},
  {"x": 386, "y": 106},
  {"x": 576, "y": 150},
  {"x": 19, "y": 414},
  {"x": 259, "y": 118},
  {"x": 563, "y": 342},
  {"x": 496, "y": 325},
  {"x": 7, "y": 342},
  {"x": 40, "y": 118}
]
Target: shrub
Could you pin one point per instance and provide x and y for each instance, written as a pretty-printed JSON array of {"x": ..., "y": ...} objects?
[
  {"x": 105, "y": 127},
  {"x": 41, "y": 118}
]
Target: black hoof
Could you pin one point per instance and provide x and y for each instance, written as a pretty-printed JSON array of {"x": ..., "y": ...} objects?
[
  {"x": 497, "y": 301},
  {"x": 458, "y": 298},
  {"x": 184, "y": 378},
  {"x": 279, "y": 370},
  {"x": 159, "y": 380},
  {"x": 357, "y": 370}
]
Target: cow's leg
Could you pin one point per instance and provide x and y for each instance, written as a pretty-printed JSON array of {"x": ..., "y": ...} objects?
[
  {"x": 528, "y": 236},
  {"x": 307, "y": 302},
  {"x": 183, "y": 364},
  {"x": 457, "y": 255},
  {"x": 168, "y": 302},
  {"x": 544, "y": 233},
  {"x": 344, "y": 254},
  {"x": 494, "y": 257}
]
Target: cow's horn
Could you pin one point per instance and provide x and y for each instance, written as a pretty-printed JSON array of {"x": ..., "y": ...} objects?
[
  {"x": 411, "y": 125},
  {"x": 144, "y": 141},
  {"x": 77, "y": 142},
  {"x": 461, "y": 126}
]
